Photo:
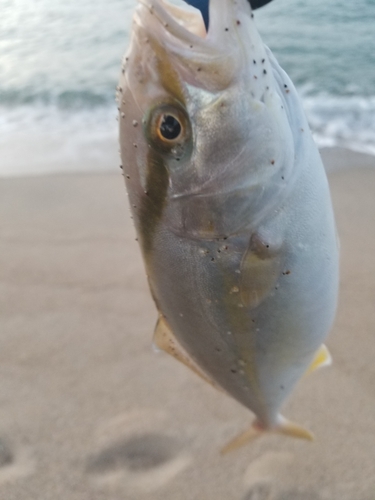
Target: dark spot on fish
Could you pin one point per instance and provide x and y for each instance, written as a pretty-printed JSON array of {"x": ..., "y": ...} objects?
[
  {"x": 225, "y": 237},
  {"x": 226, "y": 29},
  {"x": 282, "y": 177},
  {"x": 191, "y": 46},
  {"x": 212, "y": 259},
  {"x": 256, "y": 78},
  {"x": 264, "y": 72},
  {"x": 287, "y": 91},
  {"x": 254, "y": 61},
  {"x": 252, "y": 15},
  {"x": 135, "y": 145},
  {"x": 282, "y": 387},
  {"x": 233, "y": 370},
  {"x": 285, "y": 85},
  {"x": 286, "y": 272},
  {"x": 136, "y": 239},
  {"x": 123, "y": 71},
  {"x": 302, "y": 130},
  {"x": 238, "y": 22},
  {"x": 267, "y": 88},
  {"x": 199, "y": 69},
  {"x": 272, "y": 162},
  {"x": 121, "y": 167},
  {"x": 263, "y": 61},
  {"x": 218, "y": 349},
  {"x": 153, "y": 204},
  {"x": 128, "y": 176}
]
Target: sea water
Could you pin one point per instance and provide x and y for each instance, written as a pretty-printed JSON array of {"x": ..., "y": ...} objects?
[{"x": 60, "y": 61}]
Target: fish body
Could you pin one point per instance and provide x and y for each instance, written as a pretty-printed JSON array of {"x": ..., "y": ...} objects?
[{"x": 230, "y": 202}]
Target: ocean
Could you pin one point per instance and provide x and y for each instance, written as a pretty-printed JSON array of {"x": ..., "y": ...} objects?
[{"x": 60, "y": 60}]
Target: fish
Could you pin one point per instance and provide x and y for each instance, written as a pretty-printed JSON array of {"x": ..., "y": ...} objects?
[{"x": 231, "y": 206}]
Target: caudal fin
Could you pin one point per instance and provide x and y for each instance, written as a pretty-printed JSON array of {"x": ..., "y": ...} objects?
[{"x": 283, "y": 426}]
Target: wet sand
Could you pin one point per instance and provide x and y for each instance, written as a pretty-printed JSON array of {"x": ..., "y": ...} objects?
[{"x": 90, "y": 412}]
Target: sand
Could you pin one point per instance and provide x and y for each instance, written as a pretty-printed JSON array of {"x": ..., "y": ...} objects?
[{"x": 89, "y": 411}]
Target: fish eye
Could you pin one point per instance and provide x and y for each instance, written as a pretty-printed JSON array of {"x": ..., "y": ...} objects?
[{"x": 169, "y": 127}]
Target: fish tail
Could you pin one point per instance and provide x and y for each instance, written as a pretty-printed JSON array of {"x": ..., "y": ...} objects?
[
  {"x": 283, "y": 426},
  {"x": 292, "y": 429},
  {"x": 245, "y": 437}
]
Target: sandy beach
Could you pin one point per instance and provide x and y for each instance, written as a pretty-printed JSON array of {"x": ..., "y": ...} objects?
[{"x": 90, "y": 412}]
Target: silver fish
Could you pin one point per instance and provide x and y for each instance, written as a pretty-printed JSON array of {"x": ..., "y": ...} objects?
[{"x": 231, "y": 205}]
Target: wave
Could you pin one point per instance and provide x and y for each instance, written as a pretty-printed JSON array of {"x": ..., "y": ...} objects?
[
  {"x": 344, "y": 121},
  {"x": 41, "y": 138}
]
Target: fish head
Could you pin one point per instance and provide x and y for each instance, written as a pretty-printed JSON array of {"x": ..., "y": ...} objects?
[{"x": 205, "y": 140}]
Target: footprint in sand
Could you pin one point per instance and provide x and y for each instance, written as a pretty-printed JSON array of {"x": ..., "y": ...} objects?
[
  {"x": 138, "y": 453},
  {"x": 6, "y": 456},
  {"x": 135, "y": 449},
  {"x": 259, "y": 491},
  {"x": 264, "y": 491},
  {"x": 270, "y": 477},
  {"x": 14, "y": 463}
]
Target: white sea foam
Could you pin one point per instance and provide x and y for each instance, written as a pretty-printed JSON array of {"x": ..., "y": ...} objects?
[
  {"x": 44, "y": 139},
  {"x": 38, "y": 140},
  {"x": 342, "y": 121}
]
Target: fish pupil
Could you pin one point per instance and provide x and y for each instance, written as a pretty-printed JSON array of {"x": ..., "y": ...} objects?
[{"x": 170, "y": 128}]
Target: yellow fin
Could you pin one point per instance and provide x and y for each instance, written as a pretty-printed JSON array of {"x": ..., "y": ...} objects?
[
  {"x": 322, "y": 358},
  {"x": 165, "y": 340},
  {"x": 242, "y": 439},
  {"x": 261, "y": 268},
  {"x": 289, "y": 428},
  {"x": 283, "y": 426}
]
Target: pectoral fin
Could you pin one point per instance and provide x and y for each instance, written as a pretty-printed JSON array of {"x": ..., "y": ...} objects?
[
  {"x": 165, "y": 340},
  {"x": 261, "y": 267},
  {"x": 322, "y": 358},
  {"x": 283, "y": 426}
]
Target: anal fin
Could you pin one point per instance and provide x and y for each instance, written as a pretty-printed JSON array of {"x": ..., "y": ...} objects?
[
  {"x": 322, "y": 358},
  {"x": 165, "y": 340}
]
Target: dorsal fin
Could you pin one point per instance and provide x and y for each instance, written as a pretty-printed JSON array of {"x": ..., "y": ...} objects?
[{"x": 165, "y": 340}]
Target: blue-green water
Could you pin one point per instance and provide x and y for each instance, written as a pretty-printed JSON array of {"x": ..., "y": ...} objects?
[{"x": 59, "y": 64}]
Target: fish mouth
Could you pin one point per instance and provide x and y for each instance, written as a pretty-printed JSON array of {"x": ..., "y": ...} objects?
[
  {"x": 221, "y": 50},
  {"x": 186, "y": 23},
  {"x": 182, "y": 22}
]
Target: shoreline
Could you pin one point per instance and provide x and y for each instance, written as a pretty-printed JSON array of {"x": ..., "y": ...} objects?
[{"x": 104, "y": 159}]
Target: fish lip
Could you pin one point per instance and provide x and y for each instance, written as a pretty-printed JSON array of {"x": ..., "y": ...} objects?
[
  {"x": 213, "y": 62},
  {"x": 169, "y": 23},
  {"x": 224, "y": 23}
]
